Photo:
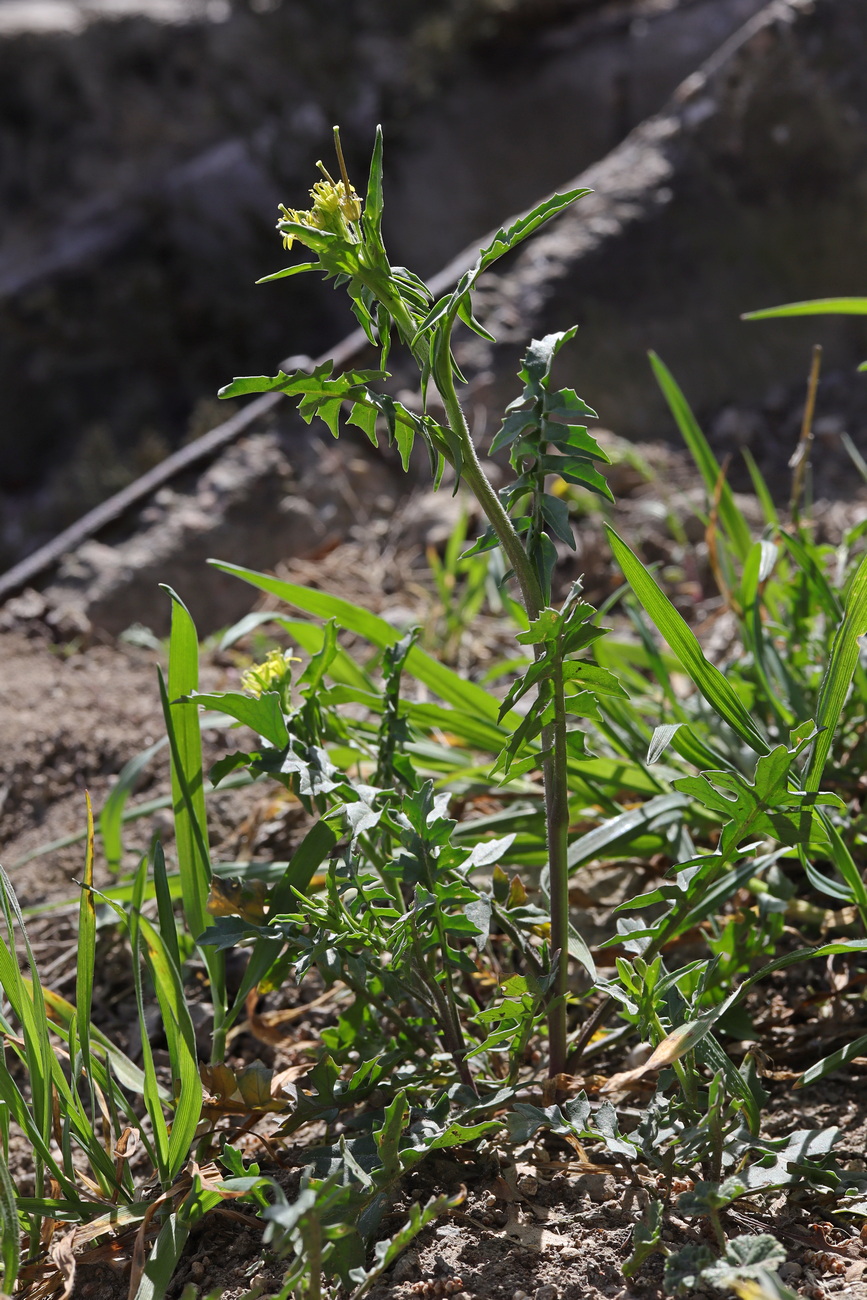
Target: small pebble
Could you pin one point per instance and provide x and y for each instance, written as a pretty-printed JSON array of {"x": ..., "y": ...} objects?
[
  {"x": 528, "y": 1185},
  {"x": 790, "y": 1271},
  {"x": 547, "y": 1292},
  {"x": 520, "y": 1295},
  {"x": 197, "y": 1270}
]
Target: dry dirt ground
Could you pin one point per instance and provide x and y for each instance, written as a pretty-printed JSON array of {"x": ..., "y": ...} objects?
[{"x": 534, "y": 1222}]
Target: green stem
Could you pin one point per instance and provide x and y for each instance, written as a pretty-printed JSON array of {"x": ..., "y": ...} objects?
[
  {"x": 554, "y": 768},
  {"x": 216, "y": 967},
  {"x": 495, "y": 512},
  {"x": 716, "y": 1224},
  {"x": 554, "y": 765},
  {"x": 557, "y": 808},
  {"x": 364, "y": 994},
  {"x": 450, "y": 1025},
  {"x": 313, "y": 1242}
]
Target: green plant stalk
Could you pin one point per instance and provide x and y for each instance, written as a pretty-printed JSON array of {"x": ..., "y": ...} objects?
[
  {"x": 454, "y": 1017},
  {"x": 447, "y": 1013},
  {"x": 801, "y": 457},
  {"x": 347, "y": 241},
  {"x": 365, "y": 994},
  {"x": 313, "y": 1247},
  {"x": 716, "y": 1128},
  {"x": 685, "y": 1070},
  {"x": 554, "y": 764},
  {"x": 716, "y": 1224},
  {"x": 555, "y": 777}
]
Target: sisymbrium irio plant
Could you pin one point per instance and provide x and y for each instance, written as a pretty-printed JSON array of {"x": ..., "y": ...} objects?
[{"x": 543, "y": 439}]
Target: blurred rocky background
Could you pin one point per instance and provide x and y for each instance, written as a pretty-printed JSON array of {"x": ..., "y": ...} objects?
[{"x": 145, "y": 144}]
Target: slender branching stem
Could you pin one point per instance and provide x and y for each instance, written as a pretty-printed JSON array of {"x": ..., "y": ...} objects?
[
  {"x": 557, "y": 809},
  {"x": 450, "y": 1025},
  {"x": 364, "y": 994},
  {"x": 554, "y": 738}
]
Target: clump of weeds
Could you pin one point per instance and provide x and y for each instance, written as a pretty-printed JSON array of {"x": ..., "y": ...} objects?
[{"x": 465, "y": 1004}]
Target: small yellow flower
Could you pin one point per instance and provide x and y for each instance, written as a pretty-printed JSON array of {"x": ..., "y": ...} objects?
[
  {"x": 271, "y": 675},
  {"x": 335, "y": 197},
  {"x": 336, "y": 209}
]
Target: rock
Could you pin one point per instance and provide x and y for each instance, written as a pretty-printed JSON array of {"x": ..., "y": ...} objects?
[
  {"x": 598, "y": 1187},
  {"x": 674, "y": 193},
  {"x": 406, "y": 1267},
  {"x": 28, "y": 606},
  {"x": 264, "y": 500},
  {"x": 709, "y": 185}
]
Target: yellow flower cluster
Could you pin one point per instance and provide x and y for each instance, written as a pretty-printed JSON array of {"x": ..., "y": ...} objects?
[
  {"x": 269, "y": 676},
  {"x": 336, "y": 208}
]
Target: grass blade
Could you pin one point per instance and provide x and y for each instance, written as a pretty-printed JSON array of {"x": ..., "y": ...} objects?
[
  {"x": 662, "y": 737},
  {"x": 150, "y": 1091},
  {"x": 125, "y": 1071},
  {"x": 48, "y": 1082},
  {"x": 448, "y": 685},
  {"x": 821, "y": 591},
  {"x": 845, "y": 653},
  {"x": 736, "y": 527},
  {"x": 707, "y": 678},
  {"x": 760, "y": 487},
  {"x": 618, "y": 832},
  {"x": 182, "y": 724},
  {"x": 10, "y": 1234},
  {"x": 816, "y": 307},
  {"x": 111, "y": 818},
  {"x": 188, "y": 794},
  {"x": 165, "y": 908},
  {"x": 835, "y": 1061},
  {"x": 856, "y": 890},
  {"x": 86, "y": 958},
  {"x": 160, "y": 1267},
  {"x": 181, "y": 1039},
  {"x": 29, "y": 1008}
]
